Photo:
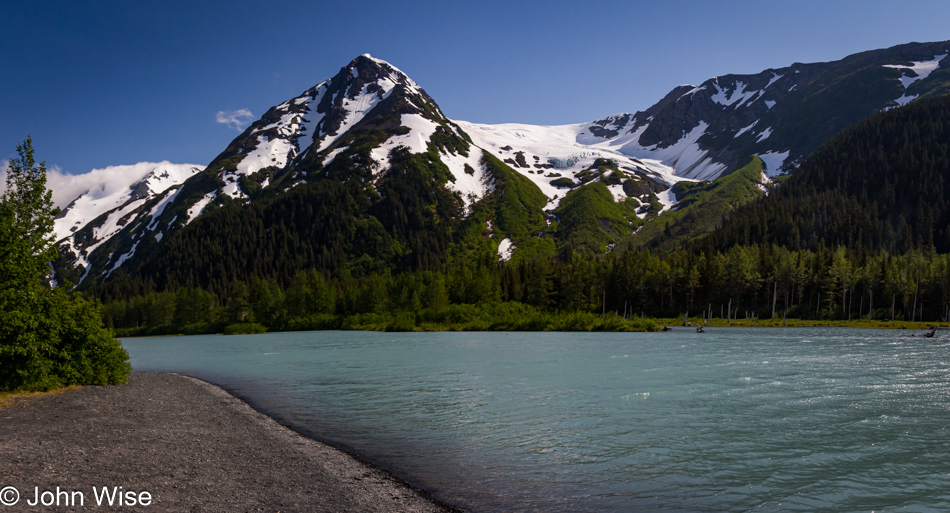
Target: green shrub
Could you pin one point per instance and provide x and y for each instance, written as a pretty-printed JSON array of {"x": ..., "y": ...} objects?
[
  {"x": 245, "y": 328},
  {"x": 313, "y": 322}
]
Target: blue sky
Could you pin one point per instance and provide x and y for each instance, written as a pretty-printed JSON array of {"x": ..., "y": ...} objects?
[{"x": 117, "y": 82}]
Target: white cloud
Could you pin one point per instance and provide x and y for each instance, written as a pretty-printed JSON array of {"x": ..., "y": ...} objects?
[
  {"x": 234, "y": 118},
  {"x": 67, "y": 187}
]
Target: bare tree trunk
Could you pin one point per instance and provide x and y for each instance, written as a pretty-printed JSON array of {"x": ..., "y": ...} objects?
[
  {"x": 916, "y": 288},
  {"x": 871, "y": 305},
  {"x": 774, "y": 298},
  {"x": 893, "y": 304},
  {"x": 729, "y": 311}
]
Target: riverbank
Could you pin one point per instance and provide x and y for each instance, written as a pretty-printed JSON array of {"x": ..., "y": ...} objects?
[
  {"x": 806, "y": 323},
  {"x": 610, "y": 323},
  {"x": 483, "y": 317},
  {"x": 190, "y": 445}
]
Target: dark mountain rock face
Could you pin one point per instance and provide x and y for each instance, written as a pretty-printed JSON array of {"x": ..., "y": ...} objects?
[{"x": 787, "y": 111}]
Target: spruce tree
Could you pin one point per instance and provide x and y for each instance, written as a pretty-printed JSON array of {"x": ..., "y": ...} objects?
[{"x": 47, "y": 338}]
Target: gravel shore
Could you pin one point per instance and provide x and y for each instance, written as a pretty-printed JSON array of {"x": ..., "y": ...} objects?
[{"x": 190, "y": 445}]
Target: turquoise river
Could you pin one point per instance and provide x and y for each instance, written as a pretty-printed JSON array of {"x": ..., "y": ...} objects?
[{"x": 791, "y": 419}]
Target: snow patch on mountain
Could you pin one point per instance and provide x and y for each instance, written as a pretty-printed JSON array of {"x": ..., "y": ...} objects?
[
  {"x": 686, "y": 156},
  {"x": 618, "y": 193},
  {"x": 505, "y": 249},
  {"x": 160, "y": 207},
  {"x": 667, "y": 199},
  {"x": 544, "y": 142},
  {"x": 775, "y": 78},
  {"x": 472, "y": 187},
  {"x": 310, "y": 122},
  {"x": 420, "y": 131},
  {"x": 920, "y": 69},
  {"x": 739, "y": 94},
  {"x": 357, "y": 108},
  {"x": 274, "y": 152},
  {"x": 275, "y": 147},
  {"x": 763, "y": 182},
  {"x": 114, "y": 223},
  {"x": 693, "y": 91},
  {"x": 904, "y": 100},
  {"x": 773, "y": 162},
  {"x": 416, "y": 141},
  {"x": 123, "y": 258},
  {"x": 333, "y": 154},
  {"x": 745, "y": 129},
  {"x": 199, "y": 206}
]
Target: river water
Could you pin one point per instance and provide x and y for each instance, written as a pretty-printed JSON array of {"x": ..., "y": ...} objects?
[{"x": 794, "y": 419}]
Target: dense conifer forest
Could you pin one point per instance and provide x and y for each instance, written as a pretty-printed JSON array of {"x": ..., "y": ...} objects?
[{"x": 882, "y": 185}]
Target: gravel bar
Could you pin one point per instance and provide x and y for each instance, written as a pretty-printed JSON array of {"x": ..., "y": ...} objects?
[{"x": 190, "y": 445}]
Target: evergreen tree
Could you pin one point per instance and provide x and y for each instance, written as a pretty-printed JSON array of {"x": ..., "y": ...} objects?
[{"x": 47, "y": 338}]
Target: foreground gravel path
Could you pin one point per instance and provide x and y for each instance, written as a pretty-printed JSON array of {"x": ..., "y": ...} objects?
[{"x": 190, "y": 445}]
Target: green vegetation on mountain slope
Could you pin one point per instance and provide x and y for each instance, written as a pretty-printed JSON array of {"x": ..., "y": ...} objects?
[{"x": 702, "y": 207}]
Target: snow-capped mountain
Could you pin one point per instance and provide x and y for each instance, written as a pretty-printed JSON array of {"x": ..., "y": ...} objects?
[
  {"x": 371, "y": 123},
  {"x": 358, "y": 117},
  {"x": 101, "y": 212}
]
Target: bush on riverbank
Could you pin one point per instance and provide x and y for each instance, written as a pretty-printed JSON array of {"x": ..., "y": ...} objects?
[{"x": 245, "y": 328}]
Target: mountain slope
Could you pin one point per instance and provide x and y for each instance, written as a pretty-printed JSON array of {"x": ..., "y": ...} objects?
[
  {"x": 702, "y": 207},
  {"x": 100, "y": 213},
  {"x": 781, "y": 115},
  {"x": 880, "y": 185}
]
